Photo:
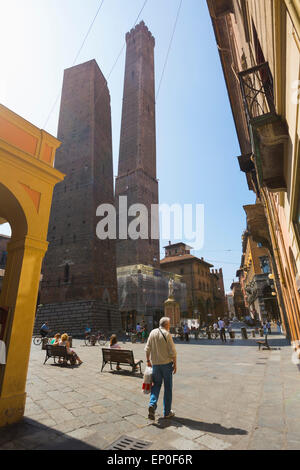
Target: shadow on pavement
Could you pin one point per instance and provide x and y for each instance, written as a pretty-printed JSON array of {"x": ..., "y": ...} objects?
[
  {"x": 29, "y": 434},
  {"x": 192, "y": 424},
  {"x": 137, "y": 375}
]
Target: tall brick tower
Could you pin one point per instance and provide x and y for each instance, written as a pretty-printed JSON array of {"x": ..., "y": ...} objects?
[
  {"x": 137, "y": 159},
  {"x": 79, "y": 273}
]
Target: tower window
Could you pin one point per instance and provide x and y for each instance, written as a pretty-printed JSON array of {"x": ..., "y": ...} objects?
[{"x": 67, "y": 273}]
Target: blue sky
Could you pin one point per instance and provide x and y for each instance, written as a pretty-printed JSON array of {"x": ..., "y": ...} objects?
[{"x": 196, "y": 139}]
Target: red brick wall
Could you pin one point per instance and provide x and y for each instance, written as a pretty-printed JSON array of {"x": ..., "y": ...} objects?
[{"x": 86, "y": 158}]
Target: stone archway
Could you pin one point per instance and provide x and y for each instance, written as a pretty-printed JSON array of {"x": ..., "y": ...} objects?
[{"x": 27, "y": 179}]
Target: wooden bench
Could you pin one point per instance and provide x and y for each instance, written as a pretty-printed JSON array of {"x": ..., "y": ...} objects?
[
  {"x": 263, "y": 343},
  {"x": 120, "y": 357},
  {"x": 57, "y": 351}
]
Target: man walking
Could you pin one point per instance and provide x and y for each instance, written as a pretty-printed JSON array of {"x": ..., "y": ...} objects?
[
  {"x": 221, "y": 324},
  {"x": 160, "y": 347},
  {"x": 138, "y": 331},
  {"x": 186, "y": 331}
]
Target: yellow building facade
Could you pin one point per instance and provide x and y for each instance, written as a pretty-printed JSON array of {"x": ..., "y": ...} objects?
[
  {"x": 27, "y": 179},
  {"x": 259, "y": 47}
]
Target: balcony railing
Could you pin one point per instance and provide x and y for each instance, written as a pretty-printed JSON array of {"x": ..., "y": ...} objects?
[{"x": 257, "y": 91}]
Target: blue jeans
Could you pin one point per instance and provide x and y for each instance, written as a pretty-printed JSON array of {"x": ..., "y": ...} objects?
[{"x": 160, "y": 373}]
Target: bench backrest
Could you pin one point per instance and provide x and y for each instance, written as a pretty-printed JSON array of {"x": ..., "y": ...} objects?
[
  {"x": 55, "y": 350},
  {"x": 118, "y": 355}
]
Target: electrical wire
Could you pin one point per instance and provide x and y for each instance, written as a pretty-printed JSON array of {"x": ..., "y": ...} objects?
[
  {"x": 169, "y": 48},
  {"x": 120, "y": 53},
  {"x": 76, "y": 57}
]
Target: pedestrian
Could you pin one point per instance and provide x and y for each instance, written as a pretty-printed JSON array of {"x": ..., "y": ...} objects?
[
  {"x": 265, "y": 328},
  {"x": 229, "y": 329},
  {"x": 144, "y": 334},
  {"x": 221, "y": 325},
  {"x": 268, "y": 325},
  {"x": 278, "y": 326},
  {"x": 44, "y": 329},
  {"x": 138, "y": 331},
  {"x": 186, "y": 331},
  {"x": 160, "y": 347}
]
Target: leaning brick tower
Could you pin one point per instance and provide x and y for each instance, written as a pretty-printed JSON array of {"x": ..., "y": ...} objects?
[
  {"x": 79, "y": 283},
  {"x": 137, "y": 158}
]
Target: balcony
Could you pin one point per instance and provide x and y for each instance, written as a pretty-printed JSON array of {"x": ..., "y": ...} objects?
[
  {"x": 246, "y": 163},
  {"x": 269, "y": 134},
  {"x": 257, "y": 224},
  {"x": 222, "y": 7}
]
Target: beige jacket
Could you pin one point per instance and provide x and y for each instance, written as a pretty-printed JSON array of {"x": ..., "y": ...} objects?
[{"x": 162, "y": 351}]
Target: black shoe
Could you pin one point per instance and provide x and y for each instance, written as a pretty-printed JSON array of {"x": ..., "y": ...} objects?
[{"x": 151, "y": 412}]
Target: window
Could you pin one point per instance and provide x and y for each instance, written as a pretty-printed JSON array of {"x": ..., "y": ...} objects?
[
  {"x": 264, "y": 264},
  {"x": 181, "y": 271},
  {"x": 67, "y": 273},
  {"x": 259, "y": 245}
]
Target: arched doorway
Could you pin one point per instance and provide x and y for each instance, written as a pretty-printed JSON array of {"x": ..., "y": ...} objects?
[{"x": 27, "y": 179}]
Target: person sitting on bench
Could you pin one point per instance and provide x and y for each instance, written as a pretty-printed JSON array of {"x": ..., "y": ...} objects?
[
  {"x": 113, "y": 344},
  {"x": 55, "y": 340},
  {"x": 64, "y": 342}
]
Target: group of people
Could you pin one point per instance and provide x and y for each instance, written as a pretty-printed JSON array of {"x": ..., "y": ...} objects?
[
  {"x": 141, "y": 331},
  {"x": 63, "y": 340},
  {"x": 218, "y": 328}
]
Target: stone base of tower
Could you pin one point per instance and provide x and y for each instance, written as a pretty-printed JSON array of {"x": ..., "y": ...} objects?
[{"x": 73, "y": 317}]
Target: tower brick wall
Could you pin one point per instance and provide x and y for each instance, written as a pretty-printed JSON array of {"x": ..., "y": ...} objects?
[
  {"x": 78, "y": 266},
  {"x": 137, "y": 158}
]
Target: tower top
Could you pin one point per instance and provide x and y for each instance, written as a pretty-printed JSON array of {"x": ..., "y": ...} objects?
[{"x": 140, "y": 28}]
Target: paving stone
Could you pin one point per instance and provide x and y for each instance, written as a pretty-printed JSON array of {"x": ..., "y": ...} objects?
[
  {"x": 91, "y": 419},
  {"x": 185, "y": 444},
  {"x": 137, "y": 419},
  {"x": 48, "y": 404},
  {"x": 188, "y": 433},
  {"x": 212, "y": 442},
  {"x": 98, "y": 409},
  {"x": 81, "y": 411},
  {"x": 60, "y": 415},
  {"x": 81, "y": 433},
  {"x": 69, "y": 426}
]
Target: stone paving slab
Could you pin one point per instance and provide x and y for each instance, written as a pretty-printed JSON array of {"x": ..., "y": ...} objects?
[{"x": 226, "y": 397}]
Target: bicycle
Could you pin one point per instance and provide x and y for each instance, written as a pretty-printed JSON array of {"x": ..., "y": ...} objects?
[
  {"x": 37, "y": 340},
  {"x": 215, "y": 334},
  {"x": 91, "y": 340}
]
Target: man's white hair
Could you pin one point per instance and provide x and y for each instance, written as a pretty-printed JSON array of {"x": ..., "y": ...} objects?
[{"x": 164, "y": 320}]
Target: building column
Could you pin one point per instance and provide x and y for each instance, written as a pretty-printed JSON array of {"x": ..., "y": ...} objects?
[{"x": 19, "y": 294}]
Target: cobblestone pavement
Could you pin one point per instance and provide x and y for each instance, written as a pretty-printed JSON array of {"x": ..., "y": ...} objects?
[{"x": 226, "y": 396}]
